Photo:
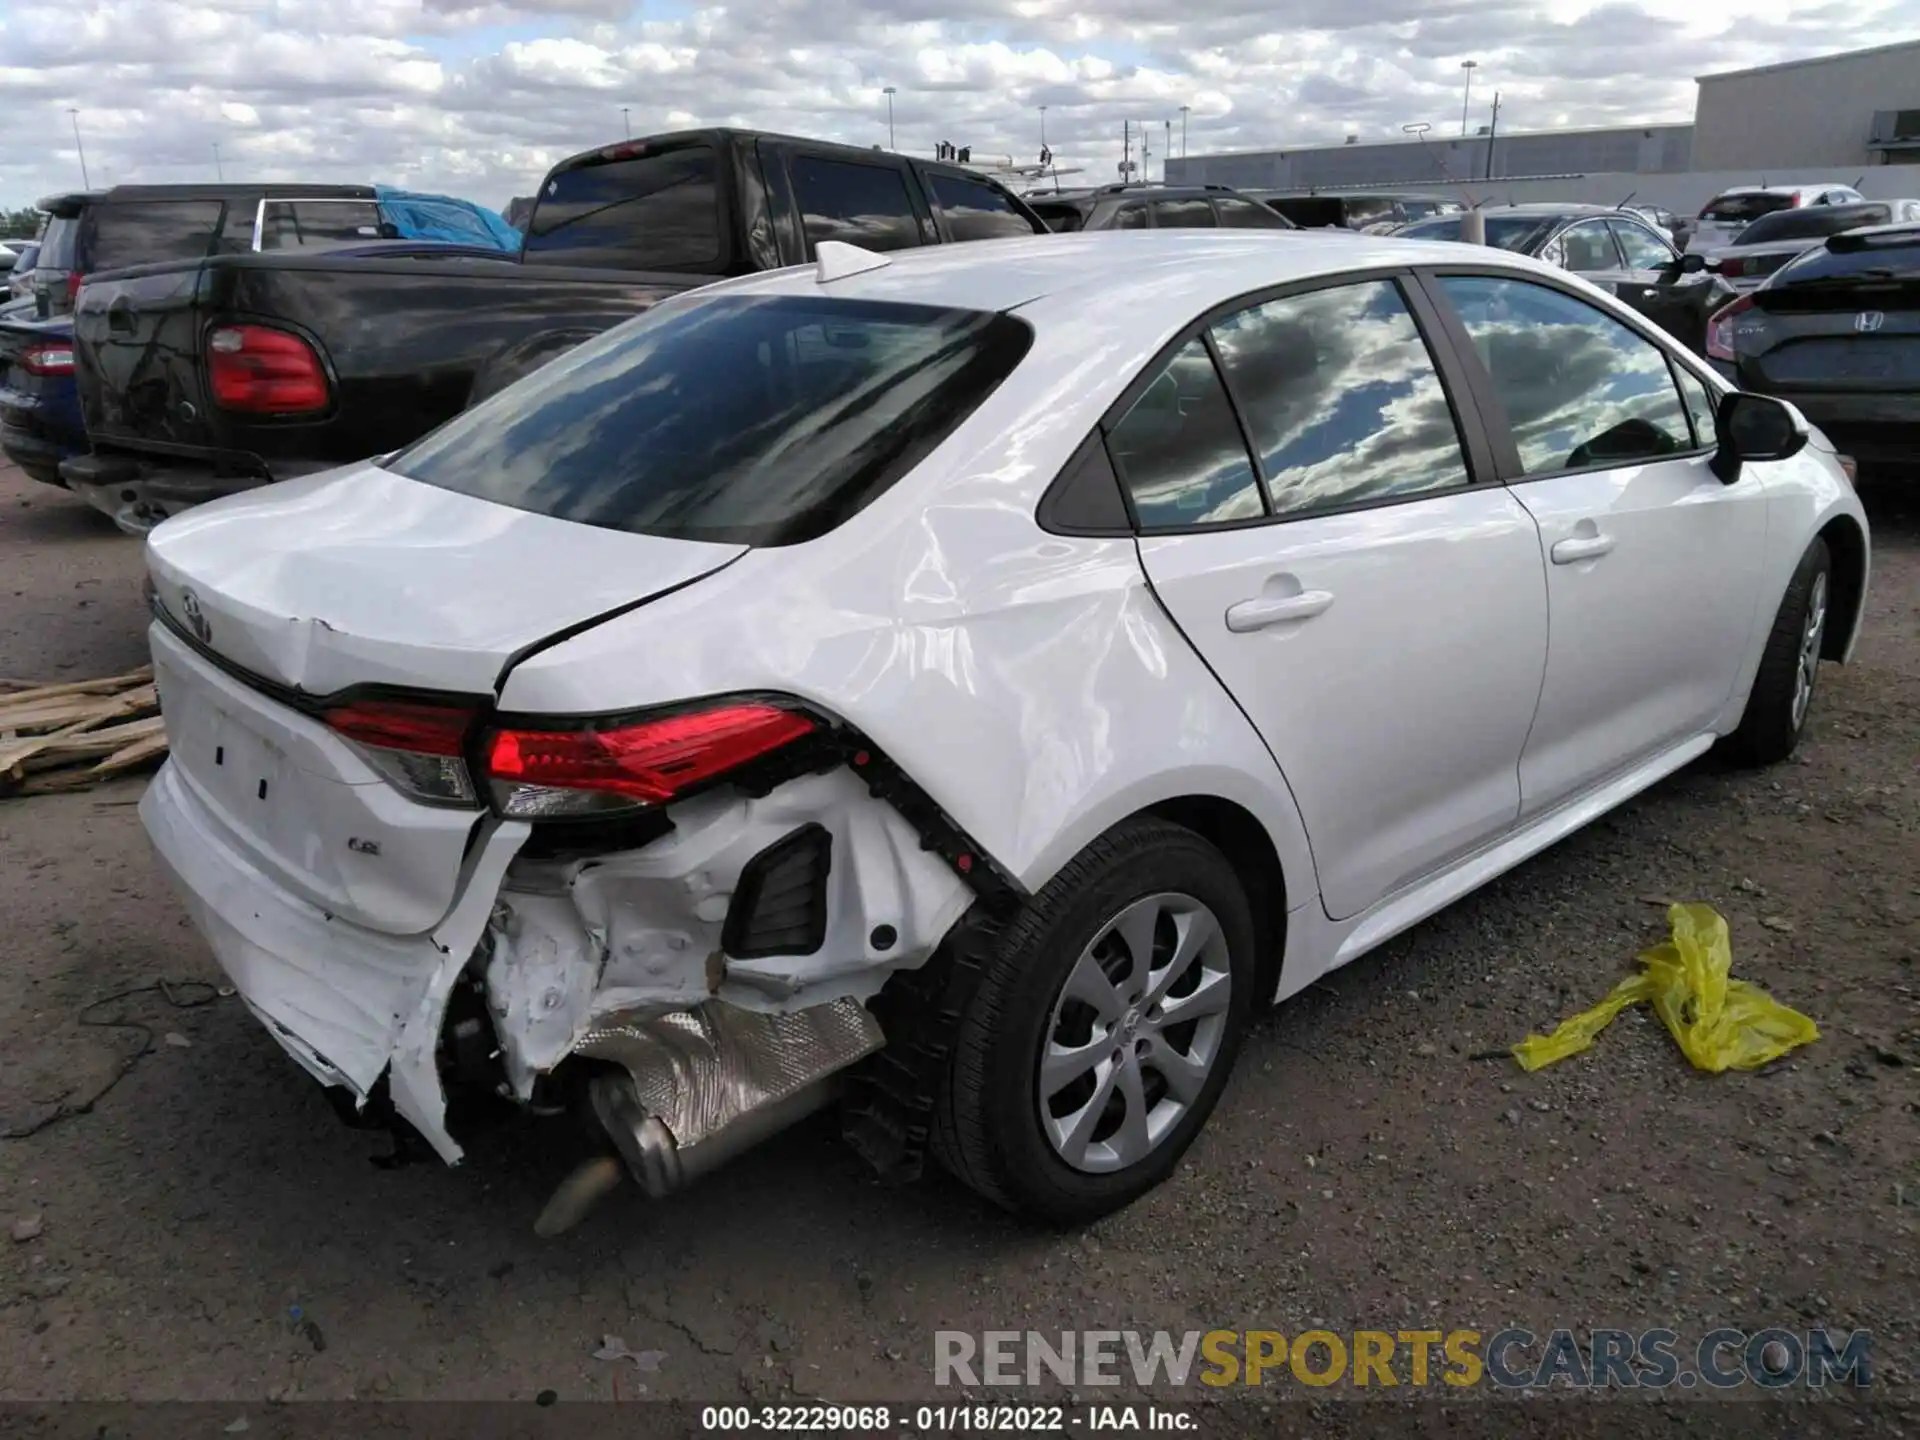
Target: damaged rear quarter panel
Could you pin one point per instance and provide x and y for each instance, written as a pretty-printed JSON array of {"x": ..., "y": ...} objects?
[{"x": 639, "y": 931}]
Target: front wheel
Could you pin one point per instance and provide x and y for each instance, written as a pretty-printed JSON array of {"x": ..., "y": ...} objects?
[
  {"x": 1782, "y": 693},
  {"x": 1104, "y": 1027}
]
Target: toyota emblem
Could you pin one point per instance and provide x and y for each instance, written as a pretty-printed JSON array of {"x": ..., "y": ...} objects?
[
  {"x": 196, "y": 620},
  {"x": 1868, "y": 321}
]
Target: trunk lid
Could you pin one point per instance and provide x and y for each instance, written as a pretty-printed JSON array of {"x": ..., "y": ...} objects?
[
  {"x": 359, "y": 576},
  {"x": 1861, "y": 337},
  {"x": 353, "y": 578}
]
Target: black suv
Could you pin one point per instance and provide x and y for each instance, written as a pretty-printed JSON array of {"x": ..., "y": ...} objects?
[
  {"x": 1153, "y": 207},
  {"x": 94, "y": 230},
  {"x": 1355, "y": 212}
]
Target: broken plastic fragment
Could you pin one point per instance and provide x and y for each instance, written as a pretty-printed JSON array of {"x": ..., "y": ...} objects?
[
  {"x": 612, "y": 1347},
  {"x": 1718, "y": 1022}
]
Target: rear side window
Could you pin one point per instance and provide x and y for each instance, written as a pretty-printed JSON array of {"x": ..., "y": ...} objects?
[
  {"x": 975, "y": 211},
  {"x": 1130, "y": 217},
  {"x": 313, "y": 225},
  {"x": 1194, "y": 214},
  {"x": 1179, "y": 450},
  {"x": 1581, "y": 390},
  {"x": 1642, "y": 247},
  {"x": 1342, "y": 398},
  {"x": 1740, "y": 209},
  {"x": 864, "y": 205},
  {"x": 1238, "y": 214},
  {"x": 652, "y": 212},
  {"x": 751, "y": 420},
  {"x": 145, "y": 232}
]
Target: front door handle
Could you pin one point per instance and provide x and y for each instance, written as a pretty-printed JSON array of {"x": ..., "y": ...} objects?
[
  {"x": 1265, "y": 610},
  {"x": 1581, "y": 547}
]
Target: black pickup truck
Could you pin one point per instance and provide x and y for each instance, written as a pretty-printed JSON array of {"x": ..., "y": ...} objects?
[{"x": 201, "y": 378}]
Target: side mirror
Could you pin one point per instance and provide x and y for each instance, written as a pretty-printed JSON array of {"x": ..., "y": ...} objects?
[
  {"x": 1693, "y": 264},
  {"x": 1754, "y": 427}
]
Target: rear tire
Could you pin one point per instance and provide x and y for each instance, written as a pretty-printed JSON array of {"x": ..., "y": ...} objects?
[
  {"x": 1133, "y": 970},
  {"x": 1782, "y": 694}
]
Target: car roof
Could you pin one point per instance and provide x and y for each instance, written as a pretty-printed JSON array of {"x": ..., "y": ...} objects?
[
  {"x": 1783, "y": 189},
  {"x": 1167, "y": 276}
]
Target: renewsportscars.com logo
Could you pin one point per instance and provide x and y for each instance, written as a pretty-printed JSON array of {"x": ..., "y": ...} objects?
[{"x": 1511, "y": 1359}]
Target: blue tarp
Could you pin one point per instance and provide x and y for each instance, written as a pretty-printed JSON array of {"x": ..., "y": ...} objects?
[{"x": 441, "y": 217}]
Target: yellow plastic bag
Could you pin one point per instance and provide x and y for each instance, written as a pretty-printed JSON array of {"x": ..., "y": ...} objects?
[{"x": 1719, "y": 1023}]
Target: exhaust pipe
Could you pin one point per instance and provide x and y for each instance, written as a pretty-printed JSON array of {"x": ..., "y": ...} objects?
[{"x": 689, "y": 1091}]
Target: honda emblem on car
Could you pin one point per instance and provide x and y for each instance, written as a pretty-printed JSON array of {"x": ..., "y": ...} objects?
[
  {"x": 196, "y": 620},
  {"x": 1868, "y": 321}
]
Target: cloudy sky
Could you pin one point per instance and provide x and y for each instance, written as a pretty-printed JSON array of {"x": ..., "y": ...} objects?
[{"x": 478, "y": 97}]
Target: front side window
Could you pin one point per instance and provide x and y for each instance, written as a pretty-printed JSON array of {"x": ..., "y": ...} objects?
[
  {"x": 1581, "y": 390},
  {"x": 750, "y": 420},
  {"x": 1643, "y": 249},
  {"x": 649, "y": 212},
  {"x": 864, "y": 205},
  {"x": 1588, "y": 248},
  {"x": 144, "y": 232},
  {"x": 1130, "y": 217},
  {"x": 1179, "y": 450},
  {"x": 975, "y": 211},
  {"x": 1342, "y": 398}
]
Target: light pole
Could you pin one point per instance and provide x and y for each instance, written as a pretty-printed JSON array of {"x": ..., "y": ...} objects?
[
  {"x": 218, "y": 172},
  {"x": 1469, "y": 66},
  {"x": 626, "y": 122},
  {"x": 1043, "y": 127},
  {"x": 890, "y": 92},
  {"x": 75, "y": 114}
]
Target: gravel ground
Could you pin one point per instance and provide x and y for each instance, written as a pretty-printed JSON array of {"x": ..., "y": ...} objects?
[{"x": 207, "y": 1229}]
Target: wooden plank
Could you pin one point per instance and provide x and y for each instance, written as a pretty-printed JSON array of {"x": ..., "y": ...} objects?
[
  {"x": 131, "y": 757},
  {"x": 79, "y": 748},
  {"x": 66, "y": 710},
  {"x": 21, "y": 690}
]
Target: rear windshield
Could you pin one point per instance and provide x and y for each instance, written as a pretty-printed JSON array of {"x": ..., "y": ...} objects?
[
  {"x": 1815, "y": 222},
  {"x": 56, "y": 245},
  {"x": 1061, "y": 217},
  {"x": 651, "y": 212},
  {"x": 1890, "y": 258},
  {"x": 311, "y": 225},
  {"x": 1505, "y": 232},
  {"x": 1738, "y": 209},
  {"x": 751, "y": 420}
]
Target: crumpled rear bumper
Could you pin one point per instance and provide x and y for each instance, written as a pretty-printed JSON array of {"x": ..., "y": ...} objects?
[
  {"x": 347, "y": 1003},
  {"x": 138, "y": 492}
]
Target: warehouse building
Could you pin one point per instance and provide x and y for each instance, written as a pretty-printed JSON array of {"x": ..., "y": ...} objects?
[
  {"x": 1836, "y": 115},
  {"x": 1429, "y": 159},
  {"x": 1843, "y": 112}
]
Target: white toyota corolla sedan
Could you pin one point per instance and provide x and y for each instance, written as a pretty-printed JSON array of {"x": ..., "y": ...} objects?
[{"x": 962, "y": 685}]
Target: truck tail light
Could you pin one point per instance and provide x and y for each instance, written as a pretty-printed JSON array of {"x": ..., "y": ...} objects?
[
  {"x": 1720, "y": 328},
  {"x": 419, "y": 749},
  {"x": 556, "y": 773},
  {"x": 261, "y": 371},
  {"x": 48, "y": 358},
  {"x": 74, "y": 281}
]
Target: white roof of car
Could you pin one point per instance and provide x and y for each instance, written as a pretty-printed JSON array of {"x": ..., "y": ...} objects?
[
  {"x": 1785, "y": 189},
  {"x": 1144, "y": 270}
]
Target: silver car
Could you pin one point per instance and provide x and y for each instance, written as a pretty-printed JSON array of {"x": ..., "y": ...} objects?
[{"x": 1772, "y": 240}]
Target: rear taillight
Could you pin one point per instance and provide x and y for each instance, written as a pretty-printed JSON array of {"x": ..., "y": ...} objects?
[
  {"x": 540, "y": 773},
  {"x": 419, "y": 748},
  {"x": 48, "y": 358},
  {"x": 262, "y": 371},
  {"x": 1732, "y": 265},
  {"x": 1720, "y": 328},
  {"x": 74, "y": 281}
]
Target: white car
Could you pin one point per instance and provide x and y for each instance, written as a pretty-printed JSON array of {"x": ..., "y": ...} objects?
[
  {"x": 968, "y": 684},
  {"x": 1732, "y": 210}
]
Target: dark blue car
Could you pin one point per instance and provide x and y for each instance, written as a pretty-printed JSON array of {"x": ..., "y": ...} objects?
[{"x": 40, "y": 422}]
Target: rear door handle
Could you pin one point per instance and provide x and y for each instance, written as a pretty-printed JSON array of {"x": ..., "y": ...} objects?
[
  {"x": 1583, "y": 547},
  {"x": 1267, "y": 610}
]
